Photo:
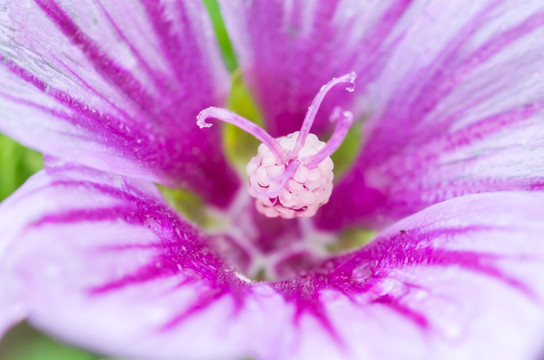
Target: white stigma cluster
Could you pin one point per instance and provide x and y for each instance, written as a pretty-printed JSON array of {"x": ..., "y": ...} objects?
[{"x": 299, "y": 195}]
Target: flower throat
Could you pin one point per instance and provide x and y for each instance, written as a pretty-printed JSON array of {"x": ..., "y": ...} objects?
[{"x": 291, "y": 176}]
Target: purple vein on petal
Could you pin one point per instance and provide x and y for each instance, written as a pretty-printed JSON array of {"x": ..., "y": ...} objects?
[
  {"x": 130, "y": 113},
  {"x": 391, "y": 167},
  {"x": 105, "y": 66},
  {"x": 410, "y": 314},
  {"x": 373, "y": 42},
  {"x": 144, "y": 64},
  {"x": 111, "y": 213},
  {"x": 304, "y": 295},
  {"x": 437, "y": 83},
  {"x": 412, "y": 248},
  {"x": 179, "y": 250},
  {"x": 169, "y": 45},
  {"x": 456, "y": 73},
  {"x": 201, "y": 303},
  {"x": 101, "y": 124},
  {"x": 432, "y": 151},
  {"x": 412, "y": 102},
  {"x": 125, "y": 116}
]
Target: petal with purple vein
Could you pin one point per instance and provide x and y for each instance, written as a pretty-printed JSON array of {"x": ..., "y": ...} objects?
[
  {"x": 117, "y": 86},
  {"x": 107, "y": 265},
  {"x": 457, "y": 110},
  {"x": 289, "y": 49}
]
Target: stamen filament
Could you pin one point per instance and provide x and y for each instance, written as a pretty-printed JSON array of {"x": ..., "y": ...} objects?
[
  {"x": 343, "y": 119},
  {"x": 244, "y": 124},
  {"x": 316, "y": 103}
]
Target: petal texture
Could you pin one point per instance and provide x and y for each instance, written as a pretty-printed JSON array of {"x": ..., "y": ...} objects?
[
  {"x": 456, "y": 110},
  {"x": 108, "y": 266},
  {"x": 289, "y": 49},
  {"x": 116, "y": 86},
  {"x": 451, "y": 93}
]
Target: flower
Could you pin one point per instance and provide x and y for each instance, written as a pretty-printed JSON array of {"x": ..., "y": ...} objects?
[{"x": 451, "y": 97}]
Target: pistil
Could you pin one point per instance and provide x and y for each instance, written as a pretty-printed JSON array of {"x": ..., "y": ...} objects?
[{"x": 291, "y": 176}]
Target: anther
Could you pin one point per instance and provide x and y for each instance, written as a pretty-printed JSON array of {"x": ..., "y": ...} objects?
[{"x": 291, "y": 176}]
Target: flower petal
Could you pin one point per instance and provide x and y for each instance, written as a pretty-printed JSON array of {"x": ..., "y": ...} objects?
[
  {"x": 458, "y": 280},
  {"x": 108, "y": 266},
  {"x": 11, "y": 299},
  {"x": 117, "y": 86},
  {"x": 289, "y": 49},
  {"x": 456, "y": 110}
]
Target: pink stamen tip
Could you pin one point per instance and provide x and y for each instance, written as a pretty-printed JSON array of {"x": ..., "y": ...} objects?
[
  {"x": 202, "y": 117},
  {"x": 316, "y": 103}
]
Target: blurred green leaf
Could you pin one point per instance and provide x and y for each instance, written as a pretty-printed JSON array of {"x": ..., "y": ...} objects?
[
  {"x": 221, "y": 33},
  {"x": 25, "y": 343},
  {"x": 17, "y": 163},
  {"x": 346, "y": 154},
  {"x": 239, "y": 145}
]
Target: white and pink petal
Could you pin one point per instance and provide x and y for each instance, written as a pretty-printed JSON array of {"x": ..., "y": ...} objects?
[
  {"x": 117, "y": 86},
  {"x": 287, "y": 50},
  {"x": 456, "y": 110},
  {"x": 104, "y": 263}
]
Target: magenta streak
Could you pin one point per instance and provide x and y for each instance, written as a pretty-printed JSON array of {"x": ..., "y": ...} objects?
[
  {"x": 175, "y": 44},
  {"x": 498, "y": 42},
  {"x": 374, "y": 40},
  {"x": 171, "y": 46},
  {"x": 427, "y": 96},
  {"x": 439, "y": 146},
  {"x": 316, "y": 103},
  {"x": 202, "y": 302},
  {"x": 343, "y": 122},
  {"x": 55, "y": 113},
  {"x": 150, "y": 246},
  {"x": 304, "y": 294},
  {"x": 102, "y": 124},
  {"x": 105, "y": 66},
  {"x": 144, "y": 64},
  {"x": 451, "y": 78},
  {"x": 405, "y": 311},
  {"x": 98, "y": 94},
  {"x": 244, "y": 124},
  {"x": 112, "y": 213},
  {"x": 417, "y": 248},
  {"x": 179, "y": 244},
  {"x": 440, "y": 83}
]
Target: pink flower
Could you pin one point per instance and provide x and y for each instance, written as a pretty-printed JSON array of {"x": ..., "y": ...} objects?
[{"x": 450, "y": 98}]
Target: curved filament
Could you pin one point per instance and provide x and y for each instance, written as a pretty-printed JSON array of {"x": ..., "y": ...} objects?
[
  {"x": 343, "y": 119},
  {"x": 244, "y": 124},
  {"x": 316, "y": 103}
]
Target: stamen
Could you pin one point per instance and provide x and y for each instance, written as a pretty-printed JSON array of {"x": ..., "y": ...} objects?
[
  {"x": 244, "y": 124},
  {"x": 343, "y": 119},
  {"x": 291, "y": 176},
  {"x": 316, "y": 103}
]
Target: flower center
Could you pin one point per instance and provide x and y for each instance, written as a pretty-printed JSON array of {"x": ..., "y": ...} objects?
[{"x": 291, "y": 176}]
